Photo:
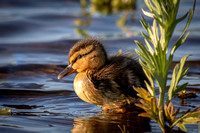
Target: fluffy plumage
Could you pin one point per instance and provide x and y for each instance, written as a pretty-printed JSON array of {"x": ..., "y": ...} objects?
[{"x": 104, "y": 81}]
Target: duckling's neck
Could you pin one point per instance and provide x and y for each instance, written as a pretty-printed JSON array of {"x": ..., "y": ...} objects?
[{"x": 93, "y": 70}]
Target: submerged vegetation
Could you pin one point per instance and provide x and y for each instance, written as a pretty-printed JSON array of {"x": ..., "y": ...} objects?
[
  {"x": 156, "y": 63},
  {"x": 106, "y": 7},
  {"x": 4, "y": 111}
]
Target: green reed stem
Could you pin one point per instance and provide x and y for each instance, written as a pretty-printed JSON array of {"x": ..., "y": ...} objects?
[{"x": 155, "y": 61}]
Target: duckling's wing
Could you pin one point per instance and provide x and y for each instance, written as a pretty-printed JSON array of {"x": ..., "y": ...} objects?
[
  {"x": 108, "y": 87},
  {"x": 113, "y": 96},
  {"x": 120, "y": 75}
]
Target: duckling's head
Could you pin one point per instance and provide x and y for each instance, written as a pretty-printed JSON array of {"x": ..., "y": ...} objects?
[{"x": 88, "y": 54}]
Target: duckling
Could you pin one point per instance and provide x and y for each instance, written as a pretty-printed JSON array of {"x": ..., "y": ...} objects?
[{"x": 105, "y": 81}]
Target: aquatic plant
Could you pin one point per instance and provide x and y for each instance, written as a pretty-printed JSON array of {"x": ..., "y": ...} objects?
[{"x": 156, "y": 63}]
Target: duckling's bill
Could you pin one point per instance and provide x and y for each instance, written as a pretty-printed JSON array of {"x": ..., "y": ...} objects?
[{"x": 67, "y": 71}]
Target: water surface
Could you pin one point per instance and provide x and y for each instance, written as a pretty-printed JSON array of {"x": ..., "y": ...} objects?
[{"x": 35, "y": 37}]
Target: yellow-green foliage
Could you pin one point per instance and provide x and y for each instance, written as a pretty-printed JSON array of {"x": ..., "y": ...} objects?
[{"x": 156, "y": 62}]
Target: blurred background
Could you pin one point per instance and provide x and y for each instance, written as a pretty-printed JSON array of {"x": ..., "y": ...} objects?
[{"x": 35, "y": 38}]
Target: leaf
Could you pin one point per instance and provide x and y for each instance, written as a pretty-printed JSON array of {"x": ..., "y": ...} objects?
[
  {"x": 144, "y": 54},
  {"x": 155, "y": 32},
  {"x": 181, "y": 126},
  {"x": 181, "y": 40},
  {"x": 151, "y": 108},
  {"x": 159, "y": 21},
  {"x": 178, "y": 43},
  {"x": 149, "y": 5},
  {"x": 182, "y": 18},
  {"x": 119, "y": 52},
  {"x": 149, "y": 47},
  {"x": 188, "y": 118},
  {"x": 150, "y": 89},
  {"x": 143, "y": 64},
  {"x": 144, "y": 58},
  {"x": 154, "y": 106},
  {"x": 146, "y": 115},
  {"x": 177, "y": 75},
  {"x": 143, "y": 93},
  {"x": 145, "y": 36},
  {"x": 180, "y": 88},
  {"x": 164, "y": 10},
  {"x": 157, "y": 7},
  {"x": 170, "y": 113},
  {"x": 148, "y": 14},
  {"x": 144, "y": 105},
  {"x": 144, "y": 23}
]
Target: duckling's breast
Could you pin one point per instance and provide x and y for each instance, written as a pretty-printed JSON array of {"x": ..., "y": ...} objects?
[{"x": 85, "y": 89}]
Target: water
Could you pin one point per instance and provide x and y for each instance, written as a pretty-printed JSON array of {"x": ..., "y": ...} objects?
[{"x": 35, "y": 37}]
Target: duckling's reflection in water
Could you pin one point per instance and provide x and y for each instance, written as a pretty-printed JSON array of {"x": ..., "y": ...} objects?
[{"x": 128, "y": 122}]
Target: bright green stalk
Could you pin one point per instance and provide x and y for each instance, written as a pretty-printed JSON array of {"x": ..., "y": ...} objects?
[{"x": 155, "y": 61}]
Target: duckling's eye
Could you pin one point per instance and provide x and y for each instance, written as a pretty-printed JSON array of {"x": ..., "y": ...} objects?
[{"x": 79, "y": 56}]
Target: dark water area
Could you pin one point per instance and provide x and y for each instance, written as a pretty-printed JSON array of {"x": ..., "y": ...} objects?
[{"x": 35, "y": 37}]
